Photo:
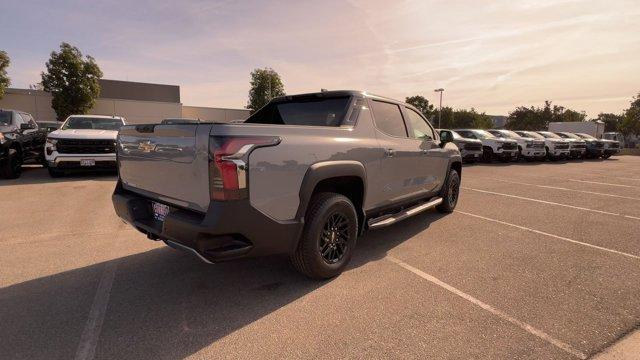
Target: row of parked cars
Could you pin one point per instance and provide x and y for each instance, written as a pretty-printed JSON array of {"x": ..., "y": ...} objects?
[
  {"x": 508, "y": 145},
  {"x": 80, "y": 142}
]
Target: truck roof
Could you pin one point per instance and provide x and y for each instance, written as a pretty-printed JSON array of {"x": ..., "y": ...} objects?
[{"x": 333, "y": 93}]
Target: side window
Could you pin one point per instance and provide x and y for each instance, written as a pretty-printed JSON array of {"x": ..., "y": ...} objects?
[
  {"x": 17, "y": 119},
  {"x": 419, "y": 127},
  {"x": 496, "y": 134},
  {"x": 389, "y": 119},
  {"x": 29, "y": 119}
]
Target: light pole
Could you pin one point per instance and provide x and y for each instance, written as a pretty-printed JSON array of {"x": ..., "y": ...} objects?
[{"x": 441, "y": 90}]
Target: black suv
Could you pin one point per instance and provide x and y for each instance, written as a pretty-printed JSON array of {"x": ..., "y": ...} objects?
[{"x": 21, "y": 141}]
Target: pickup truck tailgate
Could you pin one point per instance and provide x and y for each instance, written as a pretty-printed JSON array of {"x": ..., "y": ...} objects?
[{"x": 166, "y": 162}]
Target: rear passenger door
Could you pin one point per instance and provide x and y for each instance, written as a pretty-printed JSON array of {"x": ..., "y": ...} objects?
[
  {"x": 399, "y": 174},
  {"x": 431, "y": 159}
]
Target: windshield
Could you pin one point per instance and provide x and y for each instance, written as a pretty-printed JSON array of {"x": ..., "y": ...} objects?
[
  {"x": 91, "y": 123},
  {"x": 549, "y": 135},
  {"x": 585, "y": 136},
  {"x": 307, "y": 111},
  {"x": 455, "y": 135},
  {"x": 510, "y": 134},
  {"x": 481, "y": 134},
  {"x": 610, "y": 136},
  {"x": 5, "y": 117},
  {"x": 569, "y": 136},
  {"x": 532, "y": 135}
]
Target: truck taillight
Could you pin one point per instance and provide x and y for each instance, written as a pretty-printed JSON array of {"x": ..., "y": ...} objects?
[{"x": 228, "y": 165}]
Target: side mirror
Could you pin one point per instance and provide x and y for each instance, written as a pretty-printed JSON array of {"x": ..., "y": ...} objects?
[{"x": 445, "y": 137}]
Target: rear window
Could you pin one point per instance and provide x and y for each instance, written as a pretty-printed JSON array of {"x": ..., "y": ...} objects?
[
  {"x": 312, "y": 111},
  {"x": 389, "y": 119},
  {"x": 5, "y": 117}
]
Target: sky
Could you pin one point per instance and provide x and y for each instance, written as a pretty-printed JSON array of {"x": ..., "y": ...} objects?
[{"x": 489, "y": 55}]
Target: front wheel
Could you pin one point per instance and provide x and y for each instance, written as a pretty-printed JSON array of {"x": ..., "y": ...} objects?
[
  {"x": 450, "y": 192},
  {"x": 329, "y": 237},
  {"x": 55, "y": 173},
  {"x": 12, "y": 166},
  {"x": 487, "y": 154}
]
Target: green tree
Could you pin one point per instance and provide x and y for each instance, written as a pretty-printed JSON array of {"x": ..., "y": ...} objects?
[
  {"x": 72, "y": 80},
  {"x": 535, "y": 118},
  {"x": 448, "y": 118},
  {"x": 527, "y": 118},
  {"x": 631, "y": 122},
  {"x": 265, "y": 85},
  {"x": 611, "y": 121},
  {"x": 4, "y": 78},
  {"x": 422, "y": 104}
]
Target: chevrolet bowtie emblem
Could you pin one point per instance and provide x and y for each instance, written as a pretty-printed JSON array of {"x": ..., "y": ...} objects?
[{"x": 146, "y": 146}]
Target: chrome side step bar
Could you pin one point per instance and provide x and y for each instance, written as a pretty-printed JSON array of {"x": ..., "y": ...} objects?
[{"x": 387, "y": 220}]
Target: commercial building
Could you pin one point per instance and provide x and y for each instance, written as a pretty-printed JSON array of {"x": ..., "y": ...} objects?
[{"x": 137, "y": 102}]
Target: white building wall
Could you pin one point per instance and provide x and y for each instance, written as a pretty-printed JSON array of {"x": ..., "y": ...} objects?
[{"x": 38, "y": 104}]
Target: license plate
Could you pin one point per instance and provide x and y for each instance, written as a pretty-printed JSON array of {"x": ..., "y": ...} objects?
[
  {"x": 87, "y": 162},
  {"x": 160, "y": 211}
]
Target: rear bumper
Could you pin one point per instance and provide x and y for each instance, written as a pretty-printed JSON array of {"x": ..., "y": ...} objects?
[{"x": 229, "y": 230}]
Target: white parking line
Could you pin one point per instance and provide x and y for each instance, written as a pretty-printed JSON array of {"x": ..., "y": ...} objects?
[
  {"x": 547, "y": 202},
  {"x": 530, "y": 329},
  {"x": 601, "y": 183},
  {"x": 566, "y": 189},
  {"x": 89, "y": 339},
  {"x": 551, "y": 235}
]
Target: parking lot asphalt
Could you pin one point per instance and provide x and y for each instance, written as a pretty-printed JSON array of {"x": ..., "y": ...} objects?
[{"x": 539, "y": 261}]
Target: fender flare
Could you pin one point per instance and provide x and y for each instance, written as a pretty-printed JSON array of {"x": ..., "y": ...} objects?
[{"x": 326, "y": 170}]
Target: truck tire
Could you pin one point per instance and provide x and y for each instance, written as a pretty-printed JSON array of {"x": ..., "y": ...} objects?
[
  {"x": 329, "y": 237},
  {"x": 550, "y": 156},
  {"x": 12, "y": 167},
  {"x": 487, "y": 154},
  {"x": 450, "y": 192},
  {"x": 55, "y": 173}
]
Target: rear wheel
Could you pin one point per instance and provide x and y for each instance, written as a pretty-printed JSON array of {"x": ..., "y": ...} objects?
[
  {"x": 328, "y": 238},
  {"x": 450, "y": 192},
  {"x": 12, "y": 166}
]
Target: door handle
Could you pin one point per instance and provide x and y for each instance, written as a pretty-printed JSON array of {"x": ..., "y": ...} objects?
[{"x": 389, "y": 152}]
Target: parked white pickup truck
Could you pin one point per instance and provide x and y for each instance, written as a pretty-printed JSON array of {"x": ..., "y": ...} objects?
[
  {"x": 492, "y": 147},
  {"x": 83, "y": 142},
  {"x": 555, "y": 146},
  {"x": 528, "y": 148}
]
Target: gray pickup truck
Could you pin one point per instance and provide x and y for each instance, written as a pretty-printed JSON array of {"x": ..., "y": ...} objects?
[{"x": 304, "y": 176}]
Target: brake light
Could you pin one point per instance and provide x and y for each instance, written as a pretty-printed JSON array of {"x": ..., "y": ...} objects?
[{"x": 228, "y": 165}]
